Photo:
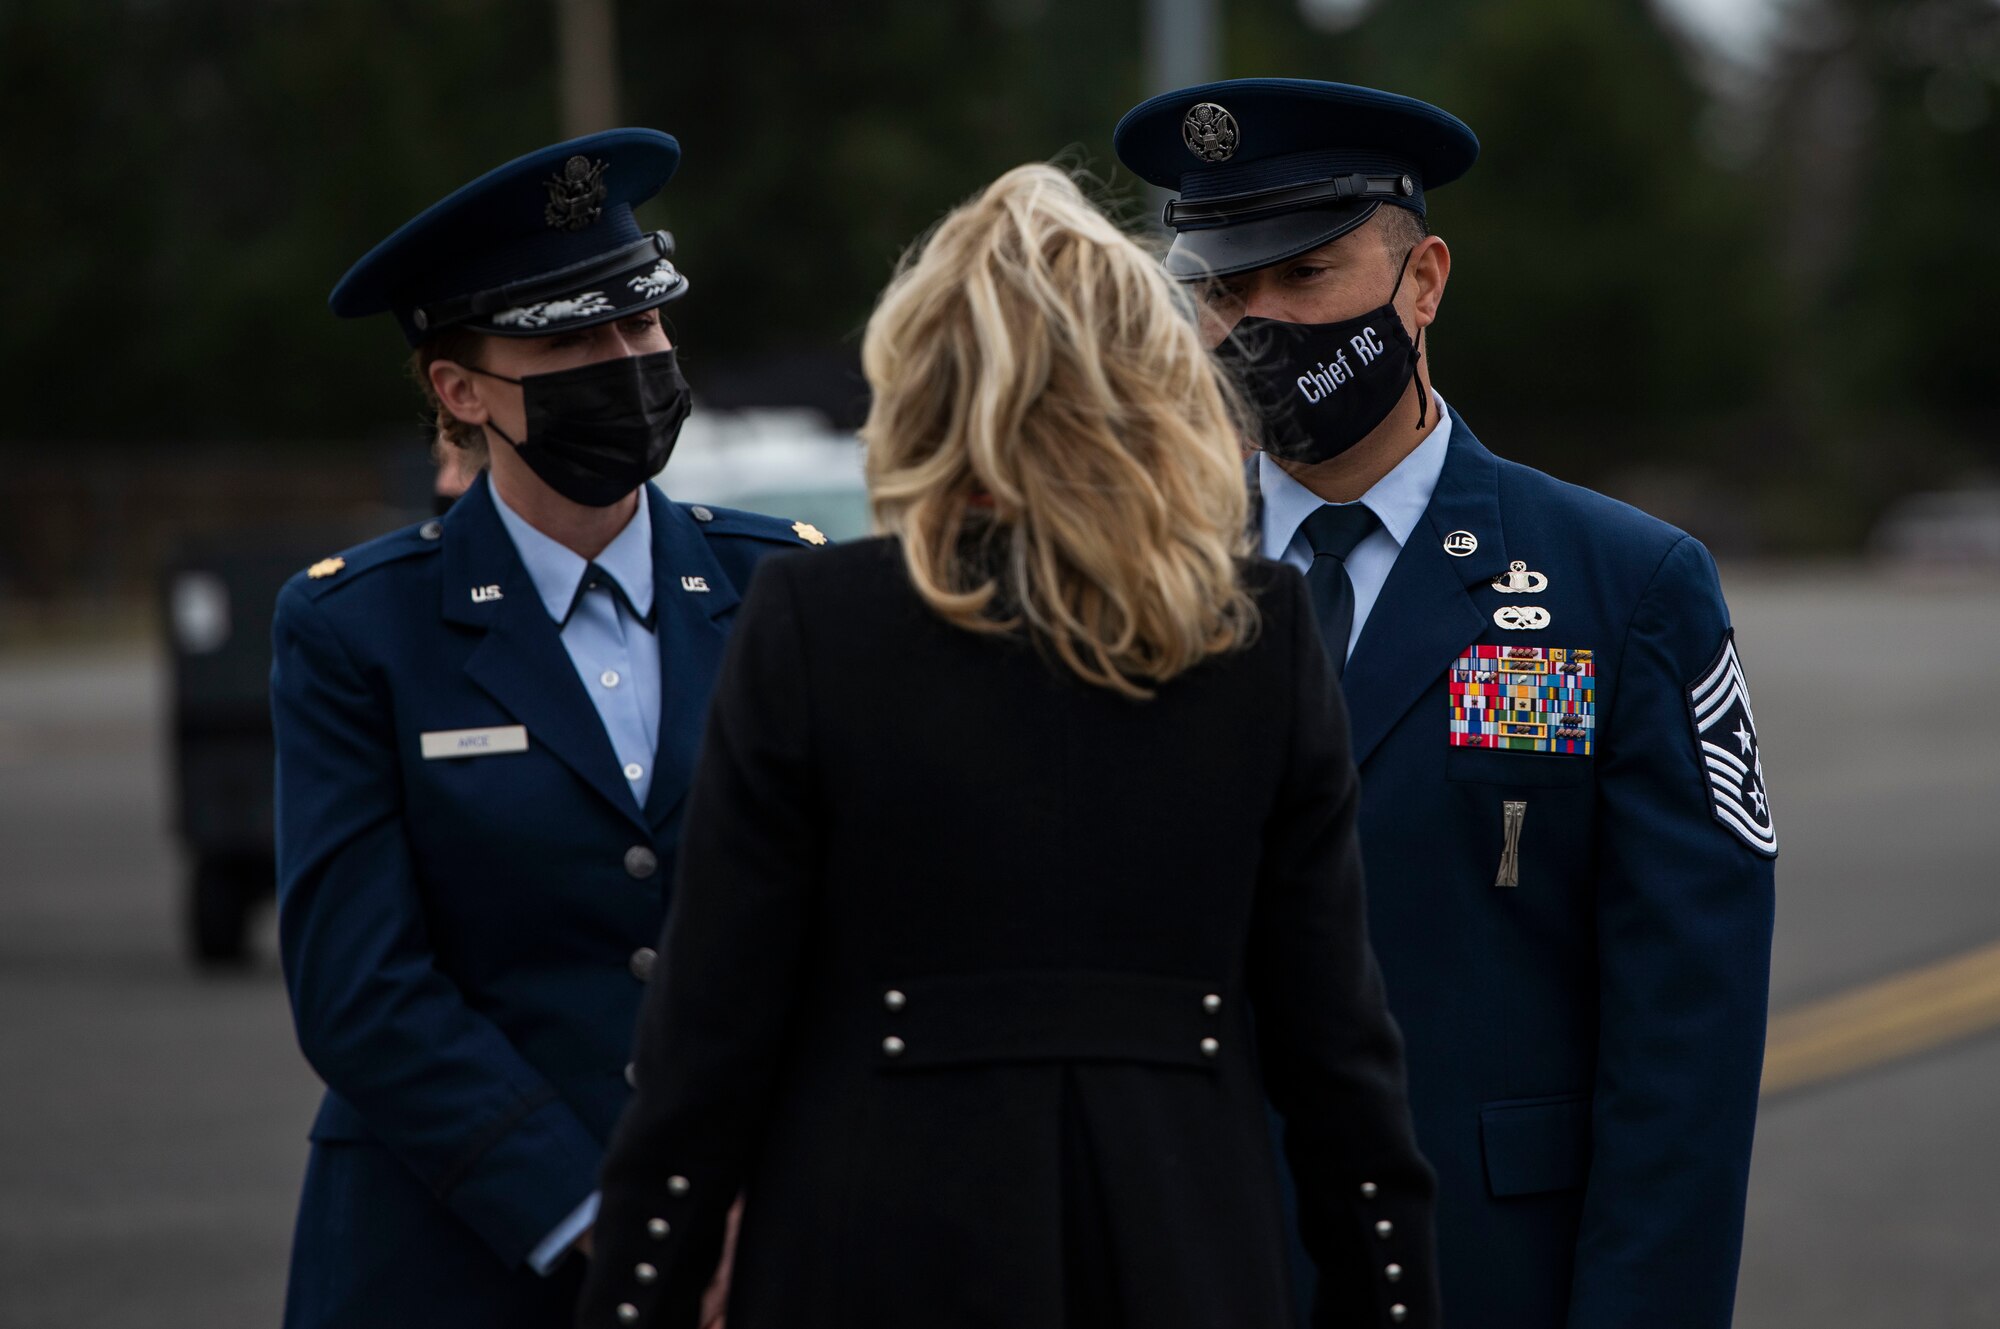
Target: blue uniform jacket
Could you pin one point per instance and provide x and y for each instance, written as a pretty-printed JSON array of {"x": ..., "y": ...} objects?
[
  {"x": 465, "y": 938},
  {"x": 1584, "y": 1047}
]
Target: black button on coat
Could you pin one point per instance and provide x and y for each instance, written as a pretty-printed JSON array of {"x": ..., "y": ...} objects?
[{"x": 958, "y": 987}]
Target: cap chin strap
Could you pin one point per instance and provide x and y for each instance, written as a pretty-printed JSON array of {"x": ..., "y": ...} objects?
[
  {"x": 444, "y": 313},
  {"x": 1181, "y": 215}
]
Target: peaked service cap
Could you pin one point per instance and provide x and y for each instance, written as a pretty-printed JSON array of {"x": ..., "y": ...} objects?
[
  {"x": 544, "y": 244},
  {"x": 1270, "y": 168}
]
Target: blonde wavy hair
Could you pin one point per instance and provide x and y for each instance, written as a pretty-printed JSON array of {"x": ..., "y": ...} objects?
[{"x": 1053, "y": 442}]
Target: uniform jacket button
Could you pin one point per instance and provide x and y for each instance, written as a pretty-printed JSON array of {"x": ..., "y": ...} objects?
[
  {"x": 1212, "y": 1003},
  {"x": 627, "y": 1313},
  {"x": 641, "y": 862},
  {"x": 1369, "y": 1190},
  {"x": 700, "y": 513},
  {"x": 893, "y": 1046},
  {"x": 895, "y": 1000},
  {"x": 1394, "y": 1273},
  {"x": 643, "y": 961},
  {"x": 1399, "y": 1312},
  {"x": 431, "y": 530},
  {"x": 1384, "y": 1228},
  {"x": 646, "y": 1273},
  {"x": 632, "y": 1074},
  {"x": 678, "y": 1186},
  {"x": 1210, "y": 1047},
  {"x": 658, "y": 1228}
]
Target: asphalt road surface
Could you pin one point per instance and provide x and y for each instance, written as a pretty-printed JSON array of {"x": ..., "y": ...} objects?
[{"x": 152, "y": 1122}]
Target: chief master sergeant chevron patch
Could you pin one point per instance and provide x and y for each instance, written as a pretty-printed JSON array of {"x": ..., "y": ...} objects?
[{"x": 1726, "y": 733}]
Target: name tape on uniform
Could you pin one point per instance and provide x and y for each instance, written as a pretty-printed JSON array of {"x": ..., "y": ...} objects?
[{"x": 445, "y": 743}]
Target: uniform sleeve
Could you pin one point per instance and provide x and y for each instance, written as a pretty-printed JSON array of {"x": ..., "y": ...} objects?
[
  {"x": 1332, "y": 1055},
  {"x": 715, "y": 1021},
  {"x": 1684, "y": 944},
  {"x": 437, "y": 1084}
]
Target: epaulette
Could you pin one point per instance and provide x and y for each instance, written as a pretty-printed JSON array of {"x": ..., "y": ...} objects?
[
  {"x": 753, "y": 525},
  {"x": 344, "y": 568}
]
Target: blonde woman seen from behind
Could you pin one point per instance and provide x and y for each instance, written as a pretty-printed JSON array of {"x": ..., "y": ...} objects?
[{"x": 997, "y": 840}]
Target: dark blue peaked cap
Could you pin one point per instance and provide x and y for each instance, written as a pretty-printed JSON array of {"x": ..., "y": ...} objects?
[
  {"x": 1270, "y": 168},
  {"x": 541, "y": 245}
]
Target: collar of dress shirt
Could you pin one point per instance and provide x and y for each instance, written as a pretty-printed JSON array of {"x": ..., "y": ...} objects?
[
  {"x": 1398, "y": 499},
  {"x": 556, "y": 569}
]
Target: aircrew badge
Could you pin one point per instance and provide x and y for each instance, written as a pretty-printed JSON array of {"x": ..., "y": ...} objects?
[
  {"x": 808, "y": 532},
  {"x": 325, "y": 568},
  {"x": 576, "y": 196},
  {"x": 1725, "y": 733},
  {"x": 1525, "y": 699}
]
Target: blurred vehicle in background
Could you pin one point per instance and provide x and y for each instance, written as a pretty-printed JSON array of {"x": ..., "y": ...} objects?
[
  {"x": 1949, "y": 531},
  {"x": 218, "y": 593},
  {"x": 788, "y": 463}
]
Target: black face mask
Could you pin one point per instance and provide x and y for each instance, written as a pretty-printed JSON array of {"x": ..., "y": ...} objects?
[
  {"x": 599, "y": 431},
  {"x": 1320, "y": 388}
]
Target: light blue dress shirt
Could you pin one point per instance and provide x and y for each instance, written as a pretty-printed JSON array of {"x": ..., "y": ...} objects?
[
  {"x": 618, "y": 658},
  {"x": 616, "y": 655},
  {"x": 1398, "y": 501}
]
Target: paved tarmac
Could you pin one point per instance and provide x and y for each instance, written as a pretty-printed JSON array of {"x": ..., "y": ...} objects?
[{"x": 152, "y": 1122}]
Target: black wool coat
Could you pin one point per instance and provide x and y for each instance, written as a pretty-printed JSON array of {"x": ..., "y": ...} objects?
[{"x": 976, "y": 980}]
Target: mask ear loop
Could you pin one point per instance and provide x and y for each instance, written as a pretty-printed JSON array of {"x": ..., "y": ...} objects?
[
  {"x": 1423, "y": 398},
  {"x": 516, "y": 382}
]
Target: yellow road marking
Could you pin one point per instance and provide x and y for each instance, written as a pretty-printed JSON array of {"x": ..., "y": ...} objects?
[{"x": 1908, "y": 1013}]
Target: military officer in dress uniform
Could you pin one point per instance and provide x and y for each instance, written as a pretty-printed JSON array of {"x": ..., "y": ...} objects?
[
  {"x": 485, "y": 729},
  {"x": 1564, "y": 820}
]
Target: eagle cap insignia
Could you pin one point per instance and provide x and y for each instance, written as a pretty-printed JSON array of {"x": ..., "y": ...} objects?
[
  {"x": 576, "y": 194},
  {"x": 808, "y": 532},
  {"x": 325, "y": 568},
  {"x": 1210, "y": 132}
]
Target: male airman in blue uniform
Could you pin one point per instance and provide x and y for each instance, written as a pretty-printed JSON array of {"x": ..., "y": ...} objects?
[
  {"x": 1566, "y": 830},
  {"x": 486, "y": 726}
]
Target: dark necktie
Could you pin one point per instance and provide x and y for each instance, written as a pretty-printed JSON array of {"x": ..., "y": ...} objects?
[
  {"x": 596, "y": 578},
  {"x": 1333, "y": 531}
]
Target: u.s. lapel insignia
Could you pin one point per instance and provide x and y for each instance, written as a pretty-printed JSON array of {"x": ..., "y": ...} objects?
[
  {"x": 485, "y": 594},
  {"x": 1525, "y": 699},
  {"x": 1521, "y": 618},
  {"x": 325, "y": 568},
  {"x": 699, "y": 585},
  {"x": 1461, "y": 544},
  {"x": 808, "y": 532},
  {"x": 1719, "y": 704},
  {"x": 1519, "y": 581}
]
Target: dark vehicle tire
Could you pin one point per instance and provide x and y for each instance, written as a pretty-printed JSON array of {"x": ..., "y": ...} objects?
[{"x": 221, "y": 894}]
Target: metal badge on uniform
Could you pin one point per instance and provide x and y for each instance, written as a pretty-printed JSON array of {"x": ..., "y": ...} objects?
[
  {"x": 1461, "y": 544},
  {"x": 1521, "y": 618},
  {"x": 1210, "y": 132},
  {"x": 808, "y": 532},
  {"x": 1726, "y": 731},
  {"x": 443, "y": 744},
  {"x": 485, "y": 594},
  {"x": 699, "y": 585},
  {"x": 1525, "y": 699},
  {"x": 1519, "y": 581},
  {"x": 325, "y": 568},
  {"x": 576, "y": 196}
]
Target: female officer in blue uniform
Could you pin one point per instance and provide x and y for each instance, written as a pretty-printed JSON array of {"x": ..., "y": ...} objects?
[
  {"x": 485, "y": 730},
  {"x": 1564, "y": 820}
]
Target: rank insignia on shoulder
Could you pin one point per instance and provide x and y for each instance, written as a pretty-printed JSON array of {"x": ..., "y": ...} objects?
[
  {"x": 808, "y": 532},
  {"x": 1525, "y": 699},
  {"x": 1725, "y": 733},
  {"x": 325, "y": 568}
]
